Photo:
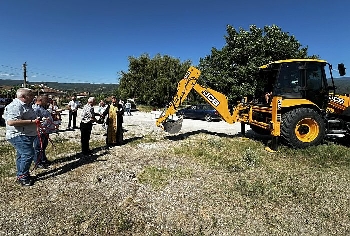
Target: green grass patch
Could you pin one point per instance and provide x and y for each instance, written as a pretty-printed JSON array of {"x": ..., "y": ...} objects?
[
  {"x": 148, "y": 138},
  {"x": 158, "y": 177},
  {"x": 7, "y": 160},
  {"x": 321, "y": 156},
  {"x": 233, "y": 154},
  {"x": 53, "y": 151},
  {"x": 60, "y": 146}
]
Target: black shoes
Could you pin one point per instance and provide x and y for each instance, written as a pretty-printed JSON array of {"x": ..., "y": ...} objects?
[
  {"x": 88, "y": 153},
  {"x": 72, "y": 128},
  {"x": 27, "y": 181},
  {"x": 42, "y": 166}
]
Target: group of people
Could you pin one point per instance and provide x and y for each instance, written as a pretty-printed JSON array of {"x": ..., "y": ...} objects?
[
  {"x": 29, "y": 121},
  {"x": 111, "y": 115},
  {"x": 28, "y": 125}
]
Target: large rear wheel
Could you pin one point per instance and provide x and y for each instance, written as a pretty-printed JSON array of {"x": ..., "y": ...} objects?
[{"x": 302, "y": 127}]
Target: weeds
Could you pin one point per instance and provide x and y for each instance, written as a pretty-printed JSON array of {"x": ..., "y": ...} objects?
[
  {"x": 223, "y": 153},
  {"x": 148, "y": 138},
  {"x": 158, "y": 177},
  {"x": 7, "y": 158}
]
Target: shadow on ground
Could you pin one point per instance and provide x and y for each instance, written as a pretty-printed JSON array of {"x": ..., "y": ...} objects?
[
  {"x": 249, "y": 134},
  {"x": 77, "y": 160}
]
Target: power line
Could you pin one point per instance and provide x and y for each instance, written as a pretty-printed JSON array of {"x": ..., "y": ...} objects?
[{"x": 12, "y": 72}]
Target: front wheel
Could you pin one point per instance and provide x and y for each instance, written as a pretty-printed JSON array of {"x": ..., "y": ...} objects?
[
  {"x": 302, "y": 127},
  {"x": 208, "y": 118}
]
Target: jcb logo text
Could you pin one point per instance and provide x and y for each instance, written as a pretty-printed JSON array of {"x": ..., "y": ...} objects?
[{"x": 211, "y": 98}]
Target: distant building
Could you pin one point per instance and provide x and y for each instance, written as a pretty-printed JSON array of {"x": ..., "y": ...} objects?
[
  {"x": 83, "y": 95},
  {"x": 54, "y": 94}
]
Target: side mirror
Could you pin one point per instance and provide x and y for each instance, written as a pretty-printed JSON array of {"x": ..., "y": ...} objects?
[{"x": 341, "y": 69}]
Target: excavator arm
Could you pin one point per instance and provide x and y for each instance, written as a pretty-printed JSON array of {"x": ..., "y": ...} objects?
[
  {"x": 217, "y": 100},
  {"x": 183, "y": 89}
]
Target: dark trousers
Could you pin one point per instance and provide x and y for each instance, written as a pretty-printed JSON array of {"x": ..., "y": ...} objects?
[
  {"x": 72, "y": 117},
  {"x": 85, "y": 130},
  {"x": 40, "y": 144}
]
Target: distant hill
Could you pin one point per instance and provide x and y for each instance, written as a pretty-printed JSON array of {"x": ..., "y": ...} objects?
[
  {"x": 68, "y": 87},
  {"x": 342, "y": 85}
]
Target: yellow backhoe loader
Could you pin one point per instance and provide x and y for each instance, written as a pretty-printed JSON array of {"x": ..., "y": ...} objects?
[{"x": 297, "y": 106}]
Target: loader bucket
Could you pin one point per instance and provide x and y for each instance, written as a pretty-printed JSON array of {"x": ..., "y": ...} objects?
[{"x": 172, "y": 126}]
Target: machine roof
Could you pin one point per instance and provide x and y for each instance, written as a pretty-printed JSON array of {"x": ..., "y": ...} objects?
[{"x": 292, "y": 60}]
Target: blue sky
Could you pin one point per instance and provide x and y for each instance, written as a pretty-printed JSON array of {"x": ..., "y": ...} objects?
[{"x": 91, "y": 40}]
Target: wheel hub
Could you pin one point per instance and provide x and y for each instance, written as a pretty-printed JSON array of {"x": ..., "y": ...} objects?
[{"x": 307, "y": 130}]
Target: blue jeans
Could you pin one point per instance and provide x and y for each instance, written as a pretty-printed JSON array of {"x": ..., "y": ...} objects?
[
  {"x": 24, "y": 152},
  {"x": 40, "y": 154}
]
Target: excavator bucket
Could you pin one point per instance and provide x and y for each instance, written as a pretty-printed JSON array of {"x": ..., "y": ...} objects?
[{"x": 172, "y": 126}]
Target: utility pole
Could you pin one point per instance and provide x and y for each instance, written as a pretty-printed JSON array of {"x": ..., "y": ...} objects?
[{"x": 24, "y": 75}]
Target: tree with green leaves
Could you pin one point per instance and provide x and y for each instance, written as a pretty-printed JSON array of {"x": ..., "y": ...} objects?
[
  {"x": 233, "y": 69},
  {"x": 152, "y": 81},
  {"x": 9, "y": 93}
]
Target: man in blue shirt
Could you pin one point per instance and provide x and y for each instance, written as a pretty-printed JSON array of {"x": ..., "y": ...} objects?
[{"x": 46, "y": 126}]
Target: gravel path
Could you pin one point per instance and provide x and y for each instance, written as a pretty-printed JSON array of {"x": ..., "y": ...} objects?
[{"x": 142, "y": 123}]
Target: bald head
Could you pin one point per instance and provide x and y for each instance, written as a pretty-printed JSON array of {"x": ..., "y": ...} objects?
[
  {"x": 26, "y": 95},
  {"x": 91, "y": 100},
  {"x": 23, "y": 92}
]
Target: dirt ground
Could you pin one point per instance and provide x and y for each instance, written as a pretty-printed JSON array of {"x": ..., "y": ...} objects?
[{"x": 104, "y": 194}]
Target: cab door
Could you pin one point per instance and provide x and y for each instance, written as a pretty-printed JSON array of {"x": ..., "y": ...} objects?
[{"x": 316, "y": 84}]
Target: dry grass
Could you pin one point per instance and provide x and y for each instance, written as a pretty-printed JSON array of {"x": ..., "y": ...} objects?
[{"x": 198, "y": 184}]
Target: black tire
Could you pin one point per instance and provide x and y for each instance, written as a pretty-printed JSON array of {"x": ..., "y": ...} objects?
[
  {"x": 208, "y": 118},
  {"x": 302, "y": 127},
  {"x": 260, "y": 130}
]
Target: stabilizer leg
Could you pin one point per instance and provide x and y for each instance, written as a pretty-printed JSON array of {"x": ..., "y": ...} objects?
[{"x": 242, "y": 128}]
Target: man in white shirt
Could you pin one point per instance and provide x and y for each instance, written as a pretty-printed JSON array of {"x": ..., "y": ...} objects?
[
  {"x": 73, "y": 109},
  {"x": 128, "y": 108},
  {"x": 87, "y": 119}
]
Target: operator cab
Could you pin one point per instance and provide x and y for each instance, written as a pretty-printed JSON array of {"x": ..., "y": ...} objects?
[{"x": 297, "y": 79}]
